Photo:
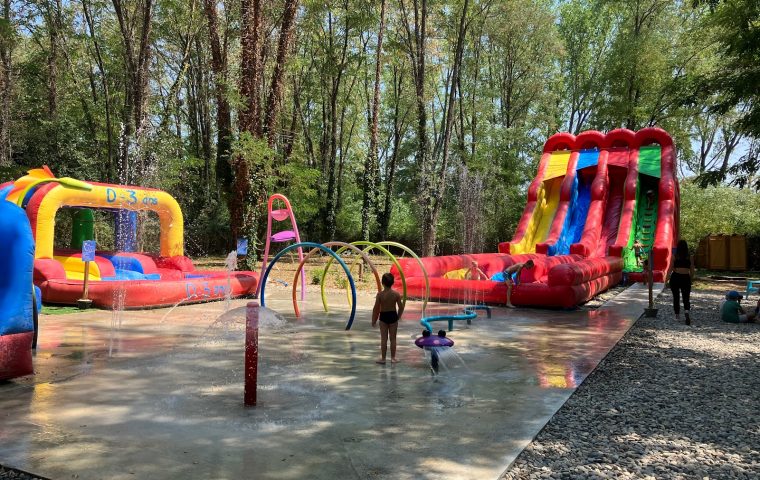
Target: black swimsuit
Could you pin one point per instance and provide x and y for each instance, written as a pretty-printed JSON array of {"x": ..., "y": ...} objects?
[{"x": 389, "y": 318}]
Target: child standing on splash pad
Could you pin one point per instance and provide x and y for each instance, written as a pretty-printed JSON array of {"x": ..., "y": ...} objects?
[
  {"x": 385, "y": 311},
  {"x": 512, "y": 278}
]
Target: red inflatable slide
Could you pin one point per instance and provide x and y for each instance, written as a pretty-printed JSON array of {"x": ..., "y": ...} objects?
[{"x": 599, "y": 207}]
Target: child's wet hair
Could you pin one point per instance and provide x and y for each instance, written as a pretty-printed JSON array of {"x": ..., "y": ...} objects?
[
  {"x": 426, "y": 333},
  {"x": 529, "y": 264},
  {"x": 441, "y": 333},
  {"x": 388, "y": 280}
]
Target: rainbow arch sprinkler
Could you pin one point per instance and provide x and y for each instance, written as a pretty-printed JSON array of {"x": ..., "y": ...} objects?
[
  {"x": 120, "y": 275},
  {"x": 596, "y": 200}
]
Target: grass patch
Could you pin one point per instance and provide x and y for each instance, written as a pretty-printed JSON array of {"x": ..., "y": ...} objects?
[{"x": 59, "y": 309}]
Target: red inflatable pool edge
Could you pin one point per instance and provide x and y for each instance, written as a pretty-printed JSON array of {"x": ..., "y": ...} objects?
[
  {"x": 563, "y": 281},
  {"x": 16, "y": 355},
  {"x": 153, "y": 293}
]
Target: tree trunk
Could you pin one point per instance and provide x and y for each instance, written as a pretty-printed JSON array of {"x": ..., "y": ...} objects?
[
  {"x": 204, "y": 120},
  {"x": 223, "y": 112},
  {"x": 137, "y": 61},
  {"x": 54, "y": 24},
  {"x": 242, "y": 204},
  {"x": 246, "y": 206},
  {"x": 6, "y": 84},
  {"x": 371, "y": 164},
  {"x": 275, "y": 95},
  {"x": 251, "y": 66},
  {"x": 440, "y": 187},
  {"x": 332, "y": 140},
  {"x": 384, "y": 218},
  {"x": 416, "y": 45},
  {"x": 111, "y": 176}
]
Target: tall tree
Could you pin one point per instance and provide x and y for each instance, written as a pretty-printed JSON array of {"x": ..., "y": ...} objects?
[
  {"x": 251, "y": 66},
  {"x": 370, "y": 179},
  {"x": 585, "y": 28},
  {"x": 52, "y": 13},
  {"x": 278, "y": 74},
  {"x": 110, "y": 170},
  {"x": 250, "y": 167},
  {"x": 399, "y": 115},
  {"x": 7, "y": 43},
  {"x": 416, "y": 45},
  {"x": 338, "y": 36},
  {"x": 135, "y": 28},
  {"x": 736, "y": 25},
  {"x": 442, "y": 146},
  {"x": 220, "y": 68}
]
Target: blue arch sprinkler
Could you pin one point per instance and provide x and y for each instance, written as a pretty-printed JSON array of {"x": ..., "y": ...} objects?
[{"x": 327, "y": 251}]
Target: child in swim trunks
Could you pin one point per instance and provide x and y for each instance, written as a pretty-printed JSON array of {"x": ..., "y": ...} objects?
[
  {"x": 512, "y": 278},
  {"x": 385, "y": 311}
]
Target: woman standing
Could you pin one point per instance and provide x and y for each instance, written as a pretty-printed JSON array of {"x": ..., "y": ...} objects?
[{"x": 680, "y": 278}]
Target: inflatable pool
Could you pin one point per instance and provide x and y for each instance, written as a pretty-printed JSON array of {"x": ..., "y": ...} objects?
[{"x": 118, "y": 276}]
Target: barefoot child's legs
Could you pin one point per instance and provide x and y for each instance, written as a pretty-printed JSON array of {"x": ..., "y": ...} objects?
[
  {"x": 383, "y": 341},
  {"x": 392, "y": 329},
  {"x": 509, "y": 293}
]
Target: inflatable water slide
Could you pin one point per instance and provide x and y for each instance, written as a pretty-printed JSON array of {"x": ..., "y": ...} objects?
[
  {"x": 119, "y": 276},
  {"x": 598, "y": 207},
  {"x": 17, "y": 302}
]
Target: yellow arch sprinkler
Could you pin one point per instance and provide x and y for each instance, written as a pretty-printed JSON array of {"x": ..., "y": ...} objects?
[
  {"x": 369, "y": 246},
  {"x": 354, "y": 245},
  {"x": 419, "y": 263}
]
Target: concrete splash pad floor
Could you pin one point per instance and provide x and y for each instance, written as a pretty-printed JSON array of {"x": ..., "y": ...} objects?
[{"x": 161, "y": 396}]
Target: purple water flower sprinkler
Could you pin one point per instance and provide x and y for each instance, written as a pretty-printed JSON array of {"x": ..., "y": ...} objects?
[{"x": 434, "y": 344}]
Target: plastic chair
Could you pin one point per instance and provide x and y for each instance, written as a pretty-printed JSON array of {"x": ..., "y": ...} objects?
[
  {"x": 282, "y": 236},
  {"x": 752, "y": 287}
]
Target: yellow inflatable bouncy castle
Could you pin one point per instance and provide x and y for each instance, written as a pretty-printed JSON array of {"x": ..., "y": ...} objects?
[{"x": 138, "y": 279}]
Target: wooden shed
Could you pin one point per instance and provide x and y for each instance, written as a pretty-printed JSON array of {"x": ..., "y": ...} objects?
[{"x": 722, "y": 252}]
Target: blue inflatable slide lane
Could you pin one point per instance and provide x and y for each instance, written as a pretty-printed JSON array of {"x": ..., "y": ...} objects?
[{"x": 17, "y": 304}]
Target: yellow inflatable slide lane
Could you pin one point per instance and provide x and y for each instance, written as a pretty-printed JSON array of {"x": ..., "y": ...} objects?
[
  {"x": 74, "y": 268},
  {"x": 546, "y": 207}
]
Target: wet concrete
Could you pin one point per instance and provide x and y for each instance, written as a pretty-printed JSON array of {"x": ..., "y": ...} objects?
[{"x": 161, "y": 396}]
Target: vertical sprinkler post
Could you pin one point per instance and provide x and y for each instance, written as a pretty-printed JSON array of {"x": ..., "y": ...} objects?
[
  {"x": 251, "y": 353},
  {"x": 650, "y": 311}
]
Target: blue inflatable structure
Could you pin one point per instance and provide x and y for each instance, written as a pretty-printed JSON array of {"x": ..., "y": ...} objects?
[{"x": 18, "y": 307}]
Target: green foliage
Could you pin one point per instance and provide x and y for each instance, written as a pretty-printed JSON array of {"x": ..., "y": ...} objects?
[
  {"x": 736, "y": 26},
  {"x": 316, "y": 275},
  {"x": 301, "y": 189},
  {"x": 717, "y": 210},
  {"x": 530, "y": 68},
  {"x": 404, "y": 224}
]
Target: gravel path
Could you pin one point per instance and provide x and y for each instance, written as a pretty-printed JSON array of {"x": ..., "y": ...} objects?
[
  {"x": 7, "y": 473},
  {"x": 669, "y": 401}
]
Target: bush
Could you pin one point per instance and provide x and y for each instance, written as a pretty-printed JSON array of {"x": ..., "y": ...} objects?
[
  {"x": 316, "y": 276},
  {"x": 717, "y": 210}
]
